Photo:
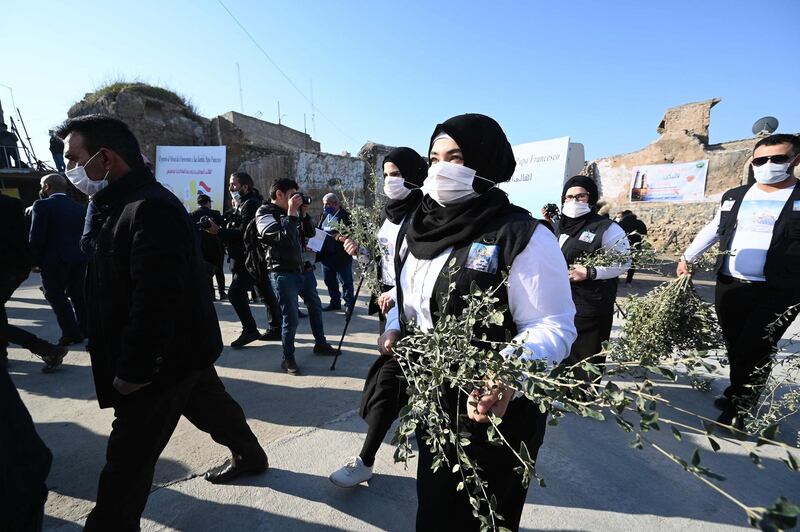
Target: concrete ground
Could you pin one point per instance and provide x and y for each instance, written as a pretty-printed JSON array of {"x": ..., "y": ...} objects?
[{"x": 309, "y": 427}]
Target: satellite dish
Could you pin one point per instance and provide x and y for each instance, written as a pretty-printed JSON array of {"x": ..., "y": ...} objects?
[{"x": 765, "y": 126}]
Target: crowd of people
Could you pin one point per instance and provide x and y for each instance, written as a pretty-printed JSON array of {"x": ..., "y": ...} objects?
[{"x": 134, "y": 273}]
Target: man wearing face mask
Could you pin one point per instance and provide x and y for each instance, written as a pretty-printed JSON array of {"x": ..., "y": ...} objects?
[
  {"x": 758, "y": 273},
  {"x": 153, "y": 331},
  {"x": 56, "y": 228},
  {"x": 246, "y": 202},
  {"x": 337, "y": 264},
  {"x": 581, "y": 231}
]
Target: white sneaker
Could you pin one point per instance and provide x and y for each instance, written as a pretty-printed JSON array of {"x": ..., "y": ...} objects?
[{"x": 352, "y": 474}]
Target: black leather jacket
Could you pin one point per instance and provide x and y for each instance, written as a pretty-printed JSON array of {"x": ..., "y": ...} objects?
[{"x": 282, "y": 238}]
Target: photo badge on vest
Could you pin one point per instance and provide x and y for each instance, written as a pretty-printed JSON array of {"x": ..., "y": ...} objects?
[
  {"x": 587, "y": 236},
  {"x": 483, "y": 257}
]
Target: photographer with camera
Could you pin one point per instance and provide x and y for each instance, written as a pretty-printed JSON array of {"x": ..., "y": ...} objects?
[
  {"x": 283, "y": 225},
  {"x": 210, "y": 245},
  {"x": 246, "y": 202}
]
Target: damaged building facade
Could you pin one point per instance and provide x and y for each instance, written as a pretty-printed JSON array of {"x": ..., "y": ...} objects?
[{"x": 683, "y": 137}]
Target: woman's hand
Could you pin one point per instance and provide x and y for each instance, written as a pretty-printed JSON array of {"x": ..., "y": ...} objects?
[
  {"x": 387, "y": 340},
  {"x": 578, "y": 273},
  {"x": 385, "y": 302},
  {"x": 496, "y": 401}
]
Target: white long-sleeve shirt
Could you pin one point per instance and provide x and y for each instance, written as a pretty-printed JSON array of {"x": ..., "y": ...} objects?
[
  {"x": 613, "y": 238},
  {"x": 755, "y": 222},
  {"x": 539, "y": 297}
]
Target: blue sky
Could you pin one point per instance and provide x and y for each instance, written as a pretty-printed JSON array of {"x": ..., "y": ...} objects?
[{"x": 601, "y": 72}]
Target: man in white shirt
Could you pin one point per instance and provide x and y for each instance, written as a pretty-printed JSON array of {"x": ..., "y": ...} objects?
[{"x": 758, "y": 272}]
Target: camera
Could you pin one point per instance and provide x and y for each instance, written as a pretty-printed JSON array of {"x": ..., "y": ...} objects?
[
  {"x": 204, "y": 222},
  {"x": 306, "y": 199}
]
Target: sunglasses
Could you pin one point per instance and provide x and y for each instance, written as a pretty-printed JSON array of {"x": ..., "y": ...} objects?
[{"x": 777, "y": 159}]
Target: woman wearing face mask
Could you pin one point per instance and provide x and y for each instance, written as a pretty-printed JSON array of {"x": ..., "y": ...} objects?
[
  {"x": 464, "y": 217},
  {"x": 582, "y": 231},
  {"x": 384, "y": 390}
]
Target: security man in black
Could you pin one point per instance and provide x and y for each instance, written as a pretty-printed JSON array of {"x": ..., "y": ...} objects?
[{"x": 758, "y": 273}]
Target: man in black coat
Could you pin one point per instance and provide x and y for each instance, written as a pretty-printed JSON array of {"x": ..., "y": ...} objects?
[
  {"x": 210, "y": 245},
  {"x": 55, "y": 233},
  {"x": 246, "y": 201},
  {"x": 15, "y": 267},
  {"x": 153, "y": 330},
  {"x": 636, "y": 230},
  {"x": 337, "y": 264}
]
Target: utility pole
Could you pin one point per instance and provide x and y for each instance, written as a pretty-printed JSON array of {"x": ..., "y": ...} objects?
[
  {"x": 313, "y": 112},
  {"x": 241, "y": 98}
]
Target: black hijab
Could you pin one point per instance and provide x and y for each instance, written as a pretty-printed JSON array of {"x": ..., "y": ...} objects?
[
  {"x": 486, "y": 150},
  {"x": 572, "y": 226},
  {"x": 413, "y": 169}
]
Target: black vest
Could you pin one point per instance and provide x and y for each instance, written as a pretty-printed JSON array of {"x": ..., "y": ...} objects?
[
  {"x": 591, "y": 297},
  {"x": 782, "y": 267},
  {"x": 481, "y": 261}
]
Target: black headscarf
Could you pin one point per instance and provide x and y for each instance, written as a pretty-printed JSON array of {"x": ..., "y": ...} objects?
[
  {"x": 486, "y": 150},
  {"x": 572, "y": 226},
  {"x": 413, "y": 169}
]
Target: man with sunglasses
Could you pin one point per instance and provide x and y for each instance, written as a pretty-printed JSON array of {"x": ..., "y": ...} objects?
[{"x": 758, "y": 271}]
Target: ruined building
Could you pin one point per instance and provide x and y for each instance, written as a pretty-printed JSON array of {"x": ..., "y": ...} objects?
[{"x": 683, "y": 137}]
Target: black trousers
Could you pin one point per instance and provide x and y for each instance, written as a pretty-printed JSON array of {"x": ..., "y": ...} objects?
[
  {"x": 144, "y": 422},
  {"x": 241, "y": 284},
  {"x": 63, "y": 289},
  {"x": 744, "y": 310},
  {"x": 383, "y": 397},
  {"x": 9, "y": 282},
  {"x": 592, "y": 332},
  {"x": 442, "y": 508}
]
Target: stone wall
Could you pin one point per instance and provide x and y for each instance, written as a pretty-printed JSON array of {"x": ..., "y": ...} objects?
[
  {"x": 153, "y": 120},
  {"x": 316, "y": 173},
  {"x": 271, "y": 136}
]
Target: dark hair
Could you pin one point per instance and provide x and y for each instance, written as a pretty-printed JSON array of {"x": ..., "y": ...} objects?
[
  {"x": 626, "y": 212},
  {"x": 101, "y": 131},
  {"x": 284, "y": 185},
  {"x": 780, "y": 138},
  {"x": 202, "y": 199},
  {"x": 244, "y": 179}
]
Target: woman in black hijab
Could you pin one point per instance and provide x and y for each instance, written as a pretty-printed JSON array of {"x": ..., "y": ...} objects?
[
  {"x": 465, "y": 218},
  {"x": 581, "y": 231},
  {"x": 384, "y": 390}
]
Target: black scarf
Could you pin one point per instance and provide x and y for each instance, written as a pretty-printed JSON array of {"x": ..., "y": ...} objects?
[
  {"x": 413, "y": 170},
  {"x": 435, "y": 228},
  {"x": 573, "y": 226},
  {"x": 486, "y": 150}
]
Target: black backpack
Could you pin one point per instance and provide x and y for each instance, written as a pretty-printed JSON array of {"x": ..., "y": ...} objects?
[{"x": 255, "y": 256}]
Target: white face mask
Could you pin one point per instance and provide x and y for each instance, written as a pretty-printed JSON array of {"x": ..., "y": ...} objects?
[
  {"x": 236, "y": 196},
  {"x": 449, "y": 184},
  {"x": 575, "y": 209},
  {"x": 394, "y": 187},
  {"x": 770, "y": 173},
  {"x": 80, "y": 179}
]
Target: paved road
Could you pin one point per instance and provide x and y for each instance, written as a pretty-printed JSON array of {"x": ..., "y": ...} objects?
[{"x": 309, "y": 427}]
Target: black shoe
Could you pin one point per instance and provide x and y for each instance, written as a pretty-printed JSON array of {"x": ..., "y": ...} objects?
[
  {"x": 273, "y": 333},
  {"x": 245, "y": 338},
  {"x": 222, "y": 295},
  {"x": 52, "y": 357},
  {"x": 235, "y": 467},
  {"x": 330, "y": 307},
  {"x": 723, "y": 403},
  {"x": 731, "y": 416},
  {"x": 70, "y": 340},
  {"x": 301, "y": 314},
  {"x": 290, "y": 367},
  {"x": 325, "y": 349}
]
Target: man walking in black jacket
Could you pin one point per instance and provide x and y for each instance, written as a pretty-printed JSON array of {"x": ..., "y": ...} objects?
[
  {"x": 153, "y": 331},
  {"x": 15, "y": 267},
  {"x": 246, "y": 202}
]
